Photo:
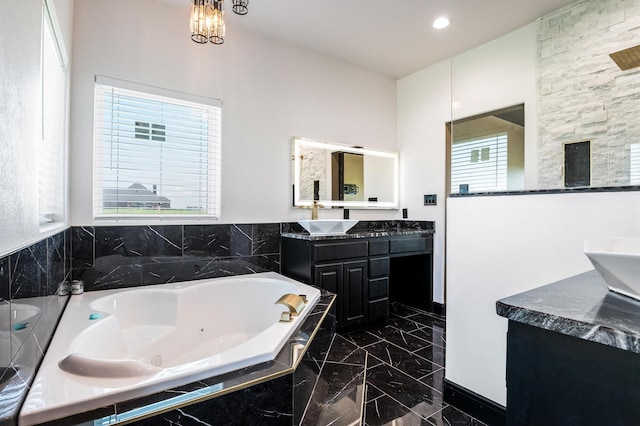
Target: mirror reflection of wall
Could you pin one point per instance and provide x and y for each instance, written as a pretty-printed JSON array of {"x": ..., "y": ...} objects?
[{"x": 347, "y": 176}]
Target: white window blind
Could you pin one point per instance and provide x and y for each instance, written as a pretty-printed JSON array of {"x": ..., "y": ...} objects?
[
  {"x": 480, "y": 163},
  {"x": 156, "y": 152},
  {"x": 51, "y": 153},
  {"x": 634, "y": 164}
]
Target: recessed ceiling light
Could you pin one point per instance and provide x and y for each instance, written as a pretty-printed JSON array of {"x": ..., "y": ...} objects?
[{"x": 440, "y": 23}]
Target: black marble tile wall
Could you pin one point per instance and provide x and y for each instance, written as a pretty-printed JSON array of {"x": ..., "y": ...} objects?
[
  {"x": 29, "y": 281},
  {"x": 107, "y": 257}
]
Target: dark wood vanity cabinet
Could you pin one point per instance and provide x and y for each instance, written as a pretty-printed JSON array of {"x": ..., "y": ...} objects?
[{"x": 358, "y": 270}]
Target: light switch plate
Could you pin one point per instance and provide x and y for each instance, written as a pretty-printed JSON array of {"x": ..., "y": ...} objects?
[{"x": 431, "y": 200}]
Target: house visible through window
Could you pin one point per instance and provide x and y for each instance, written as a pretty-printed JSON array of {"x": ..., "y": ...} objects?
[
  {"x": 156, "y": 152},
  {"x": 485, "y": 153},
  {"x": 480, "y": 163}
]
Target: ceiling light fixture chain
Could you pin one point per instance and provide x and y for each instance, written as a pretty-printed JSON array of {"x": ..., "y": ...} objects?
[{"x": 207, "y": 20}]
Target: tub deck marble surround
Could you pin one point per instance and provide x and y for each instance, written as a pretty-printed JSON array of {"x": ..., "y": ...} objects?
[{"x": 258, "y": 394}]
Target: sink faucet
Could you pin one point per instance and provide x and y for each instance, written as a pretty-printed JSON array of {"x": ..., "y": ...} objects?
[{"x": 314, "y": 209}]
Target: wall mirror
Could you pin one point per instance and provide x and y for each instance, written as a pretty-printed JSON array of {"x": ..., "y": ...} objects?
[{"x": 344, "y": 176}]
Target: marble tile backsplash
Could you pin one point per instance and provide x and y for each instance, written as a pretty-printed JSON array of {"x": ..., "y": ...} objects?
[
  {"x": 29, "y": 313},
  {"x": 107, "y": 257}
]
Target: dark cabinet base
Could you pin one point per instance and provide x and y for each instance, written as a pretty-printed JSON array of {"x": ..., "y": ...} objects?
[
  {"x": 364, "y": 273},
  {"x": 411, "y": 279},
  {"x": 555, "y": 379}
]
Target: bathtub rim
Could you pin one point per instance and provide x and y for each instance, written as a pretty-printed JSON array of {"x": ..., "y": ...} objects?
[{"x": 66, "y": 412}]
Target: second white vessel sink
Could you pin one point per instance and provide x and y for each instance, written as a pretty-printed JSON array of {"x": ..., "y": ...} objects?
[
  {"x": 617, "y": 260},
  {"x": 327, "y": 226}
]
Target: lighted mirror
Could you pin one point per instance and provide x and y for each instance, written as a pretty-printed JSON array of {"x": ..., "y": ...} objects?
[{"x": 343, "y": 176}]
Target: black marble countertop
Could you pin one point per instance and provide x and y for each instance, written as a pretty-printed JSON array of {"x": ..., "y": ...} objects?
[
  {"x": 579, "y": 306},
  {"x": 364, "y": 229},
  {"x": 357, "y": 234}
]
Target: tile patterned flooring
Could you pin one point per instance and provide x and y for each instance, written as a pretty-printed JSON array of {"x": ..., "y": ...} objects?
[{"x": 405, "y": 371}]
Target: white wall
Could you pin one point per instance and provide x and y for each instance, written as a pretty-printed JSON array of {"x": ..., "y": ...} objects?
[
  {"x": 502, "y": 245},
  {"x": 20, "y": 109},
  {"x": 424, "y": 100},
  {"x": 270, "y": 93},
  {"x": 497, "y": 75}
]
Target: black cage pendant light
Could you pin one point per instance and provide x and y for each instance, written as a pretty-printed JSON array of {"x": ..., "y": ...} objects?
[
  {"x": 207, "y": 20},
  {"x": 241, "y": 7}
]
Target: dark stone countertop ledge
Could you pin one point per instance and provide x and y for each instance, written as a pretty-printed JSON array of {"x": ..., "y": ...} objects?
[
  {"x": 357, "y": 235},
  {"x": 579, "y": 306}
]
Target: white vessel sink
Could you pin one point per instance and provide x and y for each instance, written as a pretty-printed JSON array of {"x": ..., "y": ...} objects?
[
  {"x": 327, "y": 226},
  {"x": 618, "y": 261}
]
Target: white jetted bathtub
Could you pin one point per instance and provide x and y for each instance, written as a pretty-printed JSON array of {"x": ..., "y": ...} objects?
[{"x": 115, "y": 345}]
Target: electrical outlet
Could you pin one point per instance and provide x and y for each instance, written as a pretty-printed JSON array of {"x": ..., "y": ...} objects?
[
  {"x": 431, "y": 200},
  {"x": 405, "y": 213}
]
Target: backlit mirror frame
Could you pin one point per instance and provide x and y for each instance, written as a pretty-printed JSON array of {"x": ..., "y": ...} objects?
[{"x": 301, "y": 142}]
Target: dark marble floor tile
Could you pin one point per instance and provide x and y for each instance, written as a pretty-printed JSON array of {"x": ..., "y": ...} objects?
[
  {"x": 412, "y": 393},
  {"x": 424, "y": 333},
  {"x": 401, "y": 359},
  {"x": 386, "y": 411},
  {"x": 451, "y": 416},
  {"x": 435, "y": 380},
  {"x": 362, "y": 338},
  {"x": 346, "y": 352},
  {"x": 372, "y": 392},
  {"x": 401, "y": 310},
  {"x": 405, "y": 324},
  {"x": 433, "y": 353},
  {"x": 400, "y": 338},
  {"x": 428, "y": 320},
  {"x": 338, "y": 396}
]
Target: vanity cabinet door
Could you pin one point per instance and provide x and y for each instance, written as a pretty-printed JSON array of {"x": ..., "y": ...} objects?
[
  {"x": 356, "y": 292},
  {"x": 329, "y": 277},
  {"x": 349, "y": 281}
]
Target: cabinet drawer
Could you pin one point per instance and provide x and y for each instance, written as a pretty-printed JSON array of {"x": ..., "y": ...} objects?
[
  {"x": 378, "y": 247},
  {"x": 379, "y": 288},
  {"x": 339, "y": 251},
  {"x": 379, "y": 267},
  {"x": 410, "y": 245}
]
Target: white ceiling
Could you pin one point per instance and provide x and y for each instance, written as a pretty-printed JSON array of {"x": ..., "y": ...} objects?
[{"x": 391, "y": 37}]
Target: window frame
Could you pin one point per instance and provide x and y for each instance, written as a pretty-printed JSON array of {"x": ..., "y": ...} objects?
[
  {"x": 52, "y": 168},
  {"x": 213, "y": 163}
]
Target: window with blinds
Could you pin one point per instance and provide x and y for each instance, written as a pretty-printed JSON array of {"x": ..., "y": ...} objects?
[
  {"x": 480, "y": 163},
  {"x": 51, "y": 151},
  {"x": 156, "y": 152},
  {"x": 634, "y": 164}
]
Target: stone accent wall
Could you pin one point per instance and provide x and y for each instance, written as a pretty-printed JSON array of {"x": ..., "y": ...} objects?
[
  {"x": 313, "y": 166},
  {"x": 582, "y": 93}
]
